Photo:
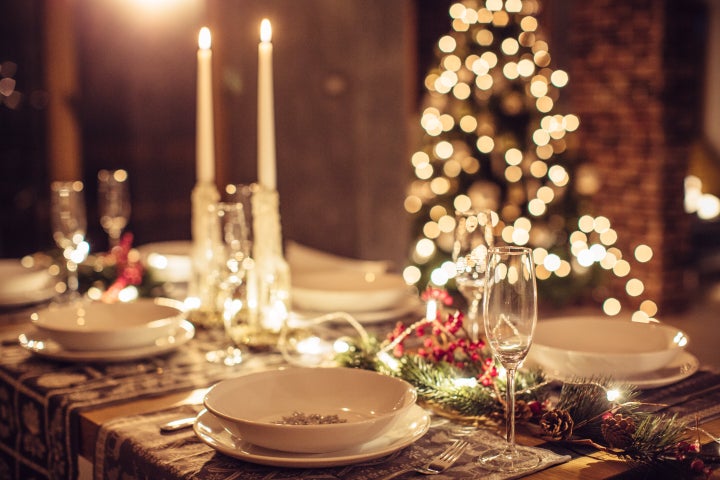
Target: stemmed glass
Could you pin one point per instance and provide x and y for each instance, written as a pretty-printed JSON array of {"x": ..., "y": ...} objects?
[
  {"x": 113, "y": 203},
  {"x": 473, "y": 236},
  {"x": 69, "y": 225},
  {"x": 510, "y": 315},
  {"x": 230, "y": 272}
]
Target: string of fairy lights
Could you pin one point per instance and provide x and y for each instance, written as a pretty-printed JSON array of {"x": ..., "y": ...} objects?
[{"x": 493, "y": 142}]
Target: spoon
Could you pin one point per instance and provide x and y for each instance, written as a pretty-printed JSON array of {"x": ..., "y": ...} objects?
[{"x": 179, "y": 424}]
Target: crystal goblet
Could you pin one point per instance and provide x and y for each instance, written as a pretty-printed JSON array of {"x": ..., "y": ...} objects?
[
  {"x": 69, "y": 226},
  {"x": 473, "y": 236}
]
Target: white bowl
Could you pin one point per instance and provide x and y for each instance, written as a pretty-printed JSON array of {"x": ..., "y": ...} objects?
[
  {"x": 253, "y": 407},
  {"x": 348, "y": 291},
  {"x": 597, "y": 346},
  {"x": 15, "y": 279},
  {"x": 109, "y": 326}
]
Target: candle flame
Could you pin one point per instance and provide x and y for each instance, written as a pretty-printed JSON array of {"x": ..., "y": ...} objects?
[
  {"x": 265, "y": 30},
  {"x": 204, "y": 38}
]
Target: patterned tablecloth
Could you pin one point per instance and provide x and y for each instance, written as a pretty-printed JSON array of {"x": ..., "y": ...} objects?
[
  {"x": 40, "y": 399},
  {"x": 133, "y": 448},
  {"x": 40, "y": 403}
]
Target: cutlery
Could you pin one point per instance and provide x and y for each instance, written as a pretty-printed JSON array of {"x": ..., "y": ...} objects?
[
  {"x": 175, "y": 425},
  {"x": 438, "y": 464}
]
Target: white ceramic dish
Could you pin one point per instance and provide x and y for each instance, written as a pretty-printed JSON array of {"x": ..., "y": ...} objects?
[
  {"x": 20, "y": 285},
  {"x": 108, "y": 326},
  {"x": 168, "y": 261},
  {"x": 47, "y": 348},
  {"x": 366, "y": 402},
  {"x": 681, "y": 368},
  {"x": 404, "y": 431},
  {"x": 347, "y": 291},
  {"x": 601, "y": 346}
]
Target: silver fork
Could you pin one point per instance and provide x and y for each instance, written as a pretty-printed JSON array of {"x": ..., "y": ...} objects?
[{"x": 438, "y": 464}]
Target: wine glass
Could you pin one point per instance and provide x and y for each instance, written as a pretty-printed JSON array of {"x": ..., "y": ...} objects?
[
  {"x": 113, "y": 203},
  {"x": 510, "y": 315},
  {"x": 473, "y": 236},
  {"x": 69, "y": 225},
  {"x": 231, "y": 278}
]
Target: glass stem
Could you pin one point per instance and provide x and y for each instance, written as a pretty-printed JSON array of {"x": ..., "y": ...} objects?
[
  {"x": 474, "y": 323},
  {"x": 73, "y": 282},
  {"x": 510, "y": 409}
]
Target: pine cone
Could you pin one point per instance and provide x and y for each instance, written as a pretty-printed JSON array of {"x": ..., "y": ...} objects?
[
  {"x": 523, "y": 412},
  {"x": 557, "y": 424},
  {"x": 618, "y": 430}
]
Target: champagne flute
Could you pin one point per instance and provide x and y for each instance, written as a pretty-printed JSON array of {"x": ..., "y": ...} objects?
[
  {"x": 114, "y": 203},
  {"x": 69, "y": 225},
  {"x": 473, "y": 236},
  {"x": 510, "y": 315}
]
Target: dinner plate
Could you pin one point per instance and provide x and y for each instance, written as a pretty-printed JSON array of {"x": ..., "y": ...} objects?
[
  {"x": 681, "y": 368},
  {"x": 684, "y": 365},
  {"x": 47, "y": 348},
  {"x": 403, "y": 432}
]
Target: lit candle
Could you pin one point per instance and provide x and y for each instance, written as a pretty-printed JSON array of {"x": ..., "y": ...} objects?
[
  {"x": 204, "y": 147},
  {"x": 431, "y": 312},
  {"x": 266, "y": 114}
]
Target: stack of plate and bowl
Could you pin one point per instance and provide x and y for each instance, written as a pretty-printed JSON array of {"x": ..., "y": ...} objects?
[
  {"x": 647, "y": 355},
  {"x": 106, "y": 332},
  {"x": 20, "y": 285},
  {"x": 311, "y": 417}
]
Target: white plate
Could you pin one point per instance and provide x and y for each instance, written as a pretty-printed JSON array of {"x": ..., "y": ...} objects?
[
  {"x": 681, "y": 368},
  {"x": 45, "y": 347},
  {"x": 20, "y": 285},
  {"x": 684, "y": 365},
  {"x": 405, "y": 431}
]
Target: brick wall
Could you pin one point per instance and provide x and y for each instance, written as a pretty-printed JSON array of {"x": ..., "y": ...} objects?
[{"x": 636, "y": 81}]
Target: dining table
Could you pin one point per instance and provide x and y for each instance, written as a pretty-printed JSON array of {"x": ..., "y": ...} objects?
[{"x": 66, "y": 418}]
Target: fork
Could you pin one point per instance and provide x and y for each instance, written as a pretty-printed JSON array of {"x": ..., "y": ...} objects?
[{"x": 438, "y": 464}]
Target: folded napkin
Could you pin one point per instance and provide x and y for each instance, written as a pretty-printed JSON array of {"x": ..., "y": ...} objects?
[
  {"x": 131, "y": 444},
  {"x": 302, "y": 258}
]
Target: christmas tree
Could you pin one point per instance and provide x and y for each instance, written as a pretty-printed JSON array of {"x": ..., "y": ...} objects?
[{"x": 492, "y": 139}]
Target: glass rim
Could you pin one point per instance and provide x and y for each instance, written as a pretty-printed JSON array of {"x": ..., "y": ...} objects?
[{"x": 509, "y": 249}]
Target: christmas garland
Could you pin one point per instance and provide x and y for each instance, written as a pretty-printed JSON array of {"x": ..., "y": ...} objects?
[{"x": 457, "y": 378}]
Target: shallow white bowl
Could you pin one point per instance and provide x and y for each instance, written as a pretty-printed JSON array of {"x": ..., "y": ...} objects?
[
  {"x": 15, "y": 279},
  {"x": 253, "y": 407},
  {"x": 601, "y": 346},
  {"x": 348, "y": 291},
  {"x": 109, "y": 326}
]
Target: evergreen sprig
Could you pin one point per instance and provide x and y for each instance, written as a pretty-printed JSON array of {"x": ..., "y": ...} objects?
[{"x": 450, "y": 391}]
